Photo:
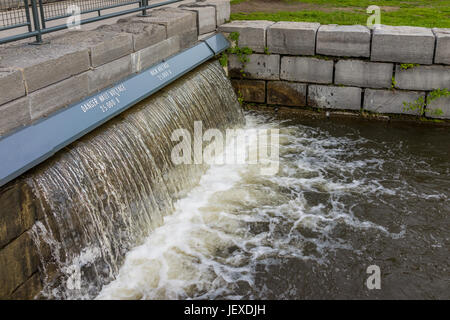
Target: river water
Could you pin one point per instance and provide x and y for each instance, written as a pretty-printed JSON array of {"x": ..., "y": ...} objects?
[{"x": 348, "y": 195}]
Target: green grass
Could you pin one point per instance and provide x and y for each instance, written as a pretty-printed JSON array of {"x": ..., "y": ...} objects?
[{"x": 430, "y": 13}]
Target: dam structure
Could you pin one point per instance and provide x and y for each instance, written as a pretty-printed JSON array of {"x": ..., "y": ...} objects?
[
  {"x": 93, "y": 205},
  {"x": 59, "y": 92}
]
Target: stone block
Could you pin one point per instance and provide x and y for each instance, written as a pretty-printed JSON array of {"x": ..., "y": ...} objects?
[
  {"x": 423, "y": 78},
  {"x": 188, "y": 39},
  {"x": 110, "y": 73},
  {"x": 260, "y": 66},
  {"x": 343, "y": 41},
  {"x": 252, "y": 34},
  {"x": 286, "y": 93},
  {"x": 45, "y": 64},
  {"x": 250, "y": 90},
  {"x": 223, "y": 9},
  {"x": 29, "y": 290},
  {"x": 403, "y": 44},
  {"x": 176, "y": 21},
  {"x": 295, "y": 38},
  {"x": 442, "y": 54},
  {"x": 18, "y": 261},
  {"x": 364, "y": 74},
  {"x": 206, "y": 17},
  {"x": 442, "y": 104},
  {"x": 11, "y": 85},
  {"x": 144, "y": 34},
  {"x": 390, "y": 101},
  {"x": 14, "y": 114},
  {"x": 104, "y": 44},
  {"x": 147, "y": 57},
  {"x": 60, "y": 95},
  {"x": 303, "y": 69},
  {"x": 17, "y": 214},
  {"x": 330, "y": 97}
]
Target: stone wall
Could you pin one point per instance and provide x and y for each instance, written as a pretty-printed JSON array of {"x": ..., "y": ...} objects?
[
  {"x": 342, "y": 67},
  {"x": 36, "y": 81}
]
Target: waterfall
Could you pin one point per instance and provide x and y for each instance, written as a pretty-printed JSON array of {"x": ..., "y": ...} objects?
[{"x": 105, "y": 193}]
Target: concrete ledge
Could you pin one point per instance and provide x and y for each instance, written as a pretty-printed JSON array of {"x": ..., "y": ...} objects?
[
  {"x": 330, "y": 97},
  {"x": 104, "y": 46},
  {"x": 110, "y": 73},
  {"x": 146, "y": 57},
  {"x": 250, "y": 90},
  {"x": 403, "y": 44},
  {"x": 11, "y": 85},
  {"x": 364, "y": 74},
  {"x": 18, "y": 261},
  {"x": 252, "y": 34},
  {"x": 343, "y": 41},
  {"x": 389, "y": 101},
  {"x": 46, "y": 64},
  {"x": 306, "y": 70},
  {"x": 295, "y": 38},
  {"x": 260, "y": 66},
  {"x": 50, "y": 99},
  {"x": 443, "y": 104},
  {"x": 286, "y": 93},
  {"x": 423, "y": 78},
  {"x": 442, "y": 54},
  {"x": 144, "y": 34}
]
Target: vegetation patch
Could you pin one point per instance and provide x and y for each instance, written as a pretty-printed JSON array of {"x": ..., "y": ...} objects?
[
  {"x": 430, "y": 13},
  {"x": 241, "y": 52},
  {"x": 420, "y": 103}
]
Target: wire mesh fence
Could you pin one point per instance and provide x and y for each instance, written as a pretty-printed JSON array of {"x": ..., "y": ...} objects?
[
  {"x": 13, "y": 13},
  {"x": 58, "y": 9},
  {"x": 33, "y": 15}
]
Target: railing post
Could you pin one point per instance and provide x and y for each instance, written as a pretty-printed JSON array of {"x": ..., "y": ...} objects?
[
  {"x": 41, "y": 9},
  {"x": 27, "y": 14},
  {"x": 144, "y": 3},
  {"x": 37, "y": 26}
]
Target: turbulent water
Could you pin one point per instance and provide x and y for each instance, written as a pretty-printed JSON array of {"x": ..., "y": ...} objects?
[
  {"x": 119, "y": 220},
  {"x": 347, "y": 196}
]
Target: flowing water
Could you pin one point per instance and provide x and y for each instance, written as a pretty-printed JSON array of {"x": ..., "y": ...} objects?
[
  {"x": 121, "y": 221},
  {"x": 106, "y": 192},
  {"x": 347, "y": 196}
]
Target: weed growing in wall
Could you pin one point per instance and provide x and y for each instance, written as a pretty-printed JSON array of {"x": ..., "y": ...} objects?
[
  {"x": 419, "y": 104},
  {"x": 406, "y": 66},
  {"x": 241, "y": 52}
]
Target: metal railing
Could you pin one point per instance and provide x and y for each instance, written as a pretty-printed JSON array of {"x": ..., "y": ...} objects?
[{"x": 30, "y": 18}]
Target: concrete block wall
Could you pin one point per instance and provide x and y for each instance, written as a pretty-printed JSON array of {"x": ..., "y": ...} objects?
[
  {"x": 341, "y": 67},
  {"x": 36, "y": 81}
]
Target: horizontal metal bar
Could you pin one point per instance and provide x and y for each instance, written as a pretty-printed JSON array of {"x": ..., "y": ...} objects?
[
  {"x": 27, "y": 147},
  {"x": 19, "y": 25},
  {"x": 18, "y": 37}
]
